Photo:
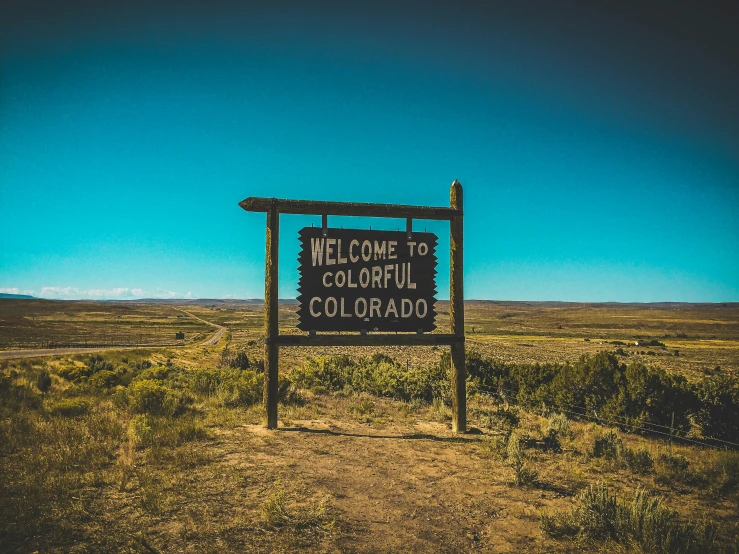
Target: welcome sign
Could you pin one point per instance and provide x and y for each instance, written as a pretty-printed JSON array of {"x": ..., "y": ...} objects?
[{"x": 360, "y": 280}]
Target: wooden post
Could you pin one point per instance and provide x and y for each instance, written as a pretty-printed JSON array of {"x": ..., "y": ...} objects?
[
  {"x": 456, "y": 312},
  {"x": 271, "y": 311}
]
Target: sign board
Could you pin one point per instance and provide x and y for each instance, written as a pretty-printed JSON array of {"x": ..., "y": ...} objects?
[{"x": 360, "y": 280}]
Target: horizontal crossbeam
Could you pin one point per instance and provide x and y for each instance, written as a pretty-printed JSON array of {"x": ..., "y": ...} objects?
[
  {"x": 379, "y": 339},
  {"x": 315, "y": 207}
]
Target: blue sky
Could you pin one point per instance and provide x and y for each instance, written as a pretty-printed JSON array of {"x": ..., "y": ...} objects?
[{"x": 598, "y": 150}]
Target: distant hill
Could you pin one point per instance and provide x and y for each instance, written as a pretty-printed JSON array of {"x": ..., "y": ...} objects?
[
  {"x": 16, "y": 296},
  {"x": 205, "y": 301}
]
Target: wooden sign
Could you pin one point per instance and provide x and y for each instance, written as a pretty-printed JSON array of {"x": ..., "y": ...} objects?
[{"x": 360, "y": 280}]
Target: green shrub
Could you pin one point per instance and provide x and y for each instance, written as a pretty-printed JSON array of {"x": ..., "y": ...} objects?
[
  {"x": 147, "y": 396},
  {"x": 158, "y": 373},
  {"x": 94, "y": 364},
  {"x": 639, "y": 461},
  {"x": 244, "y": 390},
  {"x": 17, "y": 395},
  {"x": 609, "y": 446},
  {"x": 559, "y": 427},
  {"x": 43, "y": 380},
  {"x": 600, "y": 383},
  {"x": 98, "y": 363},
  {"x": 379, "y": 375},
  {"x": 103, "y": 379},
  {"x": 240, "y": 361},
  {"x": 674, "y": 462},
  {"x": 151, "y": 397},
  {"x": 72, "y": 373},
  {"x": 718, "y": 414},
  {"x": 676, "y": 468},
  {"x": 645, "y": 522},
  {"x": 231, "y": 387},
  {"x": 502, "y": 417},
  {"x": 71, "y": 407}
]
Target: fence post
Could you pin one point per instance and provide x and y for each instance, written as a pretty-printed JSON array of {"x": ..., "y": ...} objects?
[
  {"x": 456, "y": 312},
  {"x": 271, "y": 312}
]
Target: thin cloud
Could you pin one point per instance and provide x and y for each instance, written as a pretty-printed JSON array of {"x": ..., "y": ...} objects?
[{"x": 117, "y": 293}]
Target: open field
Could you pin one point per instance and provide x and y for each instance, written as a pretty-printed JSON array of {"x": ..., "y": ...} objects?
[
  {"x": 704, "y": 335},
  {"x": 49, "y": 324},
  {"x": 162, "y": 449}
]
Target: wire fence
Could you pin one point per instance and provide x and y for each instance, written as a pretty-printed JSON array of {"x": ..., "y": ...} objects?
[{"x": 511, "y": 397}]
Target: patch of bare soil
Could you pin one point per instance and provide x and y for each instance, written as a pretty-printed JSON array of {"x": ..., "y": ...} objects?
[{"x": 415, "y": 488}]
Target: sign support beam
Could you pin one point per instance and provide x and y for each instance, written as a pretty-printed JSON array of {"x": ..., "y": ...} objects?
[
  {"x": 456, "y": 312},
  {"x": 271, "y": 311}
]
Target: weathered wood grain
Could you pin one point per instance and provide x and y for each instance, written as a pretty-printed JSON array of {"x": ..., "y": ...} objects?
[{"x": 315, "y": 207}]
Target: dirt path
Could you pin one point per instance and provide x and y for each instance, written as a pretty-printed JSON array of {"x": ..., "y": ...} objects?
[
  {"x": 39, "y": 352},
  {"x": 415, "y": 488},
  {"x": 220, "y": 330}
]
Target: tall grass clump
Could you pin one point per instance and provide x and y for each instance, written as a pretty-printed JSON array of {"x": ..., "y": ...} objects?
[
  {"x": 611, "y": 448},
  {"x": 52, "y": 463},
  {"x": 517, "y": 460},
  {"x": 643, "y": 522},
  {"x": 558, "y": 428}
]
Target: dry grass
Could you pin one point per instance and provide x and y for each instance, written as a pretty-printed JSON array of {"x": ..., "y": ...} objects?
[{"x": 348, "y": 471}]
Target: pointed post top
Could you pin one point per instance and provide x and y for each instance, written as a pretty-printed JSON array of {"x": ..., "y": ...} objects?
[{"x": 455, "y": 196}]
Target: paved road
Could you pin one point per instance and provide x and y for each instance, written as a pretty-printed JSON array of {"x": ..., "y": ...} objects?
[{"x": 38, "y": 352}]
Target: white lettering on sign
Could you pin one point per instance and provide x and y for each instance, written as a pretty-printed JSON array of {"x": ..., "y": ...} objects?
[
  {"x": 364, "y": 278},
  {"x": 368, "y": 281},
  {"x": 376, "y": 276},
  {"x": 331, "y": 306},
  {"x": 338, "y": 254},
  {"x": 366, "y": 257},
  {"x": 316, "y": 248},
  {"x": 310, "y": 306},
  {"x": 382, "y": 276},
  {"x": 331, "y": 252},
  {"x": 380, "y": 250}
]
